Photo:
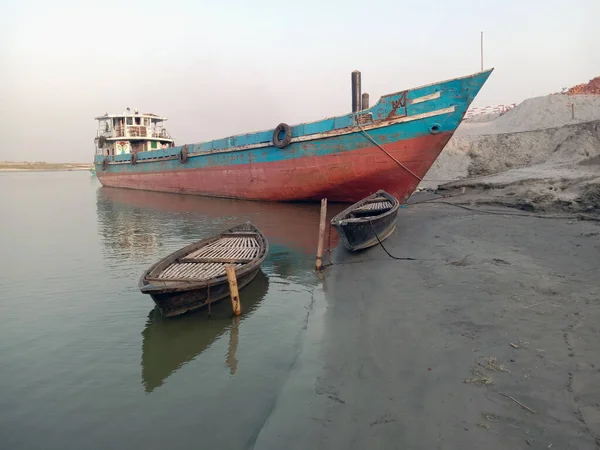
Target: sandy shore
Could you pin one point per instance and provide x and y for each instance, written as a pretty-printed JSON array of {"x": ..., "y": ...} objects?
[
  {"x": 37, "y": 166},
  {"x": 544, "y": 154},
  {"x": 488, "y": 339}
]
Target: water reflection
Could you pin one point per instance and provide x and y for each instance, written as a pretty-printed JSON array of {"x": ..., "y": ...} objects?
[
  {"x": 136, "y": 228},
  {"x": 132, "y": 221},
  {"x": 168, "y": 344}
]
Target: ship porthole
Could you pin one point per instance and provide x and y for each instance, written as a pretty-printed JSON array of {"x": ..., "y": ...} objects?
[{"x": 435, "y": 128}]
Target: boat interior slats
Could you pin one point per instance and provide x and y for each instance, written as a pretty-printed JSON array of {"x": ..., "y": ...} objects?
[
  {"x": 379, "y": 205},
  {"x": 224, "y": 253},
  {"x": 218, "y": 260},
  {"x": 242, "y": 248},
  {"x": 209, "y": 261},
  {"x": 185, "y": 271}
]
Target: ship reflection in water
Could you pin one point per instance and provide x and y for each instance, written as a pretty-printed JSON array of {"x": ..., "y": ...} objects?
[
  {"x": 168, "y": 344},
  {"x": 294, "y": 225},
  {"x": 137, "y": 228}
]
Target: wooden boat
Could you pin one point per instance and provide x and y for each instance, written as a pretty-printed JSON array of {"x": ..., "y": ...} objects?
[
  {"x": 358, "y": 223},
  {"x": 194, "y": 276}
]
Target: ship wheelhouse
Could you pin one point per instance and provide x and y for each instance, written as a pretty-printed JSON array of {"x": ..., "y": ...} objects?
[{"x": 125, "y": 133}]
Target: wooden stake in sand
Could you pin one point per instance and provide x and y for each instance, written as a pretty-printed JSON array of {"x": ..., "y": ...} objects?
[
  {"x": 233, "y": 290},
  {"x": 319, "y": 262}
]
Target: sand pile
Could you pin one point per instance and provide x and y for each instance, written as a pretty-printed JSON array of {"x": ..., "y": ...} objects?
[
  {"x": 545, "y": 141},
  {"x": 539, "y": 113}
]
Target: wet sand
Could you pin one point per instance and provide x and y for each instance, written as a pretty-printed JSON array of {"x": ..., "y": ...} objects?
[{"x": 397, "y": 353}]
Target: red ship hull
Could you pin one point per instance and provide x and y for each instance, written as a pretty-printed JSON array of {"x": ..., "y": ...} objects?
[{"x": 343, "y": 177}]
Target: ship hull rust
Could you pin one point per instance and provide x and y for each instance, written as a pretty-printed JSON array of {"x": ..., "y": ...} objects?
[{"x": 343, "y": 177}]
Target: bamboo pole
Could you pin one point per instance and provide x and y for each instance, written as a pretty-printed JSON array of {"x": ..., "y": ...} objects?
[
  {"x": 233, "y": 290},
  {"x": 319, "y": 262},
  {"x": 233, "y": 345}
]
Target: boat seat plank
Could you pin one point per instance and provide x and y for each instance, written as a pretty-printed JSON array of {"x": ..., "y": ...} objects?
[
  {"x": 217, "y": 260},
  {"x": 239, "y": 233}
]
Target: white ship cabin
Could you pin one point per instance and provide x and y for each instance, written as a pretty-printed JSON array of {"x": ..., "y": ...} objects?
[{"x": 131, "y": 133}]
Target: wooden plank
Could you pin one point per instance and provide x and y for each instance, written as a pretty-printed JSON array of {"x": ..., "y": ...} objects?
[
  {"x": 172, "y": 279},
  {"x": 239, "y": 234},
  {"x": 222, "y": 252},
  {"x": 198, "y": 271},
  {"x": 215, "y": 270},
  {"x": 183, "y": 270},
  {"x": 224, "y": 243},
  {"x": 205, "y": 272},
  {"x": 166, "y": 271},
  {"x": 187, "y": 270},
  {"x": 171, "y": 270},
  {"x": 223, "y": 260}
]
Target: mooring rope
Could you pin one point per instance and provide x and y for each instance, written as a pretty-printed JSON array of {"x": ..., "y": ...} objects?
[
  {"x": 329, "y": 244},
  {"x": 208, "y": 301},
  {"x": 368, "y": 136},
  {"x": 385, "y": 249}
]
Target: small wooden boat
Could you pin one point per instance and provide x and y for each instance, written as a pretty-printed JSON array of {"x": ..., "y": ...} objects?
[
  {"x": 194, "y": 276},
  {"x": 358, "y": 223}
]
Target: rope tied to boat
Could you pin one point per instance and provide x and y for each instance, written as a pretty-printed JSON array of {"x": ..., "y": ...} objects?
[
  {"x": 369, "y": 137},
  {"x": 329, "y": 244},
  {"x": 208, "y": 300},
  {"x": 385, "y": 249}
]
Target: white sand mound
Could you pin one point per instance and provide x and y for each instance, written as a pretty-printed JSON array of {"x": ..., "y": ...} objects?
[
  {"x": 537, "y": 140},
  {"x": 550, "y": 111},
  {"x": 482, "y": 118}
]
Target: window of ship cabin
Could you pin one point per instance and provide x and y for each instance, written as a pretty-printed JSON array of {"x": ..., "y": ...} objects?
[
  {"x": 130, "y": 121},
  {"x": 147, "y": 121},
  {"x": 154, "y": 144},
  {"x": 137, "y": 120}
]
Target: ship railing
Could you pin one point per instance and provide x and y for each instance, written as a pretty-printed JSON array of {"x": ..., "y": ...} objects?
[
  {"x": 161, "y": 134},
  {"x": 139, "y": 131}
]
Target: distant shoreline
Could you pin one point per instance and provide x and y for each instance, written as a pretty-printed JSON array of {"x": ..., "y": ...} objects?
[{"x": 24, "y": 166}]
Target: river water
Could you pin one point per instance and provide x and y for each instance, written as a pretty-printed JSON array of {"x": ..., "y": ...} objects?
[{"x": 85, "y": 359}]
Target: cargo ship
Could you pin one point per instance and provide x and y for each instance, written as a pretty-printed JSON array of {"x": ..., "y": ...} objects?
[{"x": 390, "y": 145}]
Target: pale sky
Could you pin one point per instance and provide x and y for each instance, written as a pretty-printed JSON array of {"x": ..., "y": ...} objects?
[{"x": 227, "y": 67}]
